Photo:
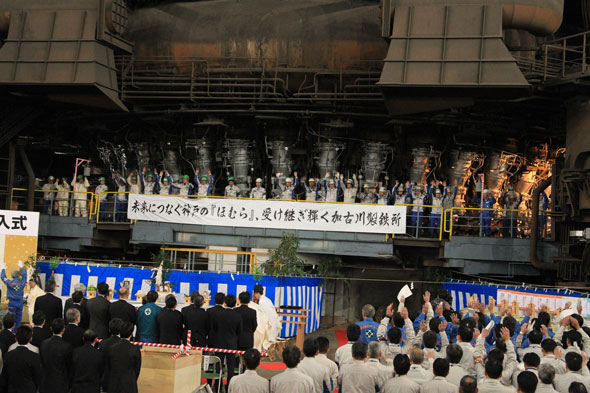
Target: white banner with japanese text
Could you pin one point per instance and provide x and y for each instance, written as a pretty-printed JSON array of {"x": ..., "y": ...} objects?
[
  {"x": 335, "y": 217},
  {"x": 18, "y": 239}
]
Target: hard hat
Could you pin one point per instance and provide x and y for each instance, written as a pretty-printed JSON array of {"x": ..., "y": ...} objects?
[
  {"x": 51, "y": 178},
  {"x": 365, "y": 185},
  {"x": 133, "y": 178},
  {"x": 80, "y": 177},
  {"x": 400, "y": 188},
  {"x": 382, "y": 189},
  {"x": 101, "y": 179},
  {"x": 312, "y": 180},
  {"x": 185, "y": 177},
  {"x": 204, "y": 178},
  {"x": 231, "y": 178},
  {"x": 331, "y": 181},
  {"x": 165, "y": 179},
  {"x": 437, "y": 191},
  {"x": 259, "y": 180},
  {"x": 288, "y": 180},
  {"x": 486, "y": 191},
  {"x": 349, "y": 181},
  {"x": 150, "y": 175}
]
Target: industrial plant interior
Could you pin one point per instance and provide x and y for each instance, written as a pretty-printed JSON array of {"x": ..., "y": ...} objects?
[{"x": 422, "y": 92}]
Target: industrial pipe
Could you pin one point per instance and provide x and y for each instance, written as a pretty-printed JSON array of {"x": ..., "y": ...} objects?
[
  {"x": 31, "y": 175},
  {"x": 535, "y": 227}
]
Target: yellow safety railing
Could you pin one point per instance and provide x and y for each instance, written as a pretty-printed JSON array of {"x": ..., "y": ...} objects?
[
  {"x": 70, "y": 210},
  {"x": 430, "y": 216},
  {"x": 253, "y": 256}
]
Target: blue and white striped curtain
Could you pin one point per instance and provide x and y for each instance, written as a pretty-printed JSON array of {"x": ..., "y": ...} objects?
[{"x": 286, "y": 291}]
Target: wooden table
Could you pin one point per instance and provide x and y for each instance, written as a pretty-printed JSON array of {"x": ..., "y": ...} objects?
[
  {"x": 300, "y": 316},
  {"x": 160, "y": 373}
]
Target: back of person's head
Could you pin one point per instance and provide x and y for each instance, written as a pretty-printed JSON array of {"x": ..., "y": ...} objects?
[
  {"x": 123, "y": 292},
  {"x": 115, "y": 326},
  {"x": 219, "y": 298},
  {"x": 535, "y": 337},
  {"x": 496, "y": 354},
  {"x": 468, "y": 322},
  {"x": 50, "y": 286},
  {"x": 259, "y": 289},
  {"x": 454, "y": 353},
  {"x": 468, "y": 384},
  {"x": 493, "y": 368},
  {"x": 573, "y": 361},
  {"x": 102, "y": 288},
  {"x": 546, "y": 373},
  {"x": 394, "y": 335},
  {"x": 401, "y": 364},
  {"x": 291, "y": 356},
  {"x": 430, "y": 338},
  {"x": 23, "y": 334},
  {"x": 152, "y": 296},
  {"x": 498, "y": 329},
  {"x": 79, "y": 287},
  {"x": 244, "y": 297},
  {"x": 89, "y": 336},
  {"x": 416, "y": 356},
  {"x": 126, "y": 329},
  {"x": 527, "y": 382},
  {"x": 77, "y": 297},
  {"x": 368, "y": 311},
  {"x": 38, "y": 318},
  {"x": 171, "y": 301},
  {"x": 359, "y": 350},
  {"x": 310, "y": 347},
  {"x": 374, "y": 350},
  {"x": 510, "y": 323},
  {"x": 9, "y": 320},
  {"x": 575, "y": 338},
  {"x": 531, "y": 359},
  {"x": 543, "y": 318},
  {"x": 72, "y": 314},
  {"x": 440, "y": 367},
  {"x": 353, "y": 332},
  {"x": 433, "y": 324},
  {"x": 194, "y": 295},
  {"x": 198, "y": 300},
  {"x": 58, "y": 325},
  {"x": 577, "y": 387},
  {"x": 251, "y": 358},
  {"x": 579, "y": 318},
  {"x": 323, "y": 344},
  {"x": 501, "y": 345},
  {"x": 466, "y": 334},
  {"x": 230, "y": 301},
  {"x": 548, "y": 345},
  {"x": 398, "y": 320}
]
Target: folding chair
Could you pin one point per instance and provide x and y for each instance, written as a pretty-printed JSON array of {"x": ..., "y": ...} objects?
[{"x": 212, "y": 372}]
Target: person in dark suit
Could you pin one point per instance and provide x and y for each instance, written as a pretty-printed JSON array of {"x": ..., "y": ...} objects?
[
  {"x": 77, "y": 301},
  {"x": 22, "y": 368},
  {"x": 105, "y": 346},
  {"x": 74, "y": 333},
  {"x": 219, "y": 299},
  {"x": 249, "y": 323},
  {"x": 122, "y": 309},
  {"x": 227, "y": 327},
  {"x": 99, "y": 311},
  {"x": 170, "y": 323},
  {"x": 56, "y": 358},
  {"x": 87, "y": 366},
  {"x": 40, "y": 333},
  {"x": 196, "y": 320},
  {"x": 6, "y": 336},
  {"x": 79, "y": 287},
  {"x": 124, "y": 360},
  {"x": 49, "y": 304}
]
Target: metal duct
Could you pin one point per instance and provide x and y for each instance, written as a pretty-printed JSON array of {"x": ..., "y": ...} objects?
[
  {"x": 327, "y": 157},
  {"x": 374, "y": 160},
  {"x": 205, "y": 151},
  {"x": 239, "y": 158},
  {"x": 460, "y": 170},
  {"x": 421, "y": 158},
  {"x": 281, "y": 160},
  {"x": 171, "y": 163},
  {"x": 143, "y": 154},
  {"x": 497, "y": 170}
]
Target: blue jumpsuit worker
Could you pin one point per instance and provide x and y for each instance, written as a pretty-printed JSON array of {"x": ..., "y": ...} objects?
[
  {"x": 368, "y": 325},
  {"x": 510, "y": 200},
  {"x": 543, "y": 206},
  {"x": 99, "y": 191},
  {"x": 486, "y": 215},
  {"x": 15, "y": 288},
  {"x": 436, "y": 200},
  {"x": 417, "y": 197}
]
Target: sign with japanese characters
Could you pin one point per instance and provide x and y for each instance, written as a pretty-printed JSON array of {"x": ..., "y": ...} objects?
[
  {"x": 336, "y": 217},
  {"x": 19, "y": 223},
  {"x": 18, "y": 238}
]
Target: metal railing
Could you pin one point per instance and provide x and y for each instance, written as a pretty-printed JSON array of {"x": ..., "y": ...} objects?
[
  {"x": 422, "y": 223},
  {"x": 57, "y": 203},
  {"x": 566, "y": 56},
  {"x": 247, "y": 264}
]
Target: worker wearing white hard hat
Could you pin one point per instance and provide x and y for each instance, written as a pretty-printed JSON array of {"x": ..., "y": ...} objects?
[
  {"x": 417, "y": 198},
  {"x": 286, "y": 190},
  {"x": 49, "y": 189},
  {"x": 258, "y": 192},
  {"x": 436, "y": 200},
  {"x": 383, "y": 196},
  {"x": 401, "y": 193},
  {"x": 331, "y": 189},
  {"x": 312, "y": 190},
  {"x": 366, "y": 195},
  {"x": 349, "y": 190}
]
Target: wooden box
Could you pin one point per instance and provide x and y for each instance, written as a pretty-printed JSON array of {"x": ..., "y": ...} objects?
[{"x": 159, "y": 373}]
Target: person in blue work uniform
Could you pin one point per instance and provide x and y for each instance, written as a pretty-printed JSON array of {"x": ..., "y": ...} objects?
[
  {"x": 543, "y": 206},
  {"x": 204, "y": 188},
  {"x": 486, "y": 215},
  {"x": 368, "y": 325},
  {"x": 14, "y": 291},
  {"x": 147, "y": 325},
  {"x": 417, "y": 197},
  {"x": 436, "y": 200},
  {"x": 121, "y": 197}
]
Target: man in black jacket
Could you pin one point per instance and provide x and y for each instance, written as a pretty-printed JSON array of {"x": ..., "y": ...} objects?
[
  {"x": 249, "y": 323},
  {"x": 56, "y": 358},
  {"x": 124, "y": 361},
  {"x": 219, "y": 299},
  {"x": 98, "y": 311},
  {"x": 49, "y": 304},
  {"x": 22, "y": 367},
  {"x": 106, "y": 345},
  {"x": 6, "y": 336},
  {"x": 77, "y": 301},
  {"x": 40, "y": 333},
  {"x": 88, "y": 366},
  {"x": 122, "y": 309},
  {"x": 227, "y": 327},
  {"x": 74, "y": 333},
  {"x": 196, "y": 320},
  {"x": 170, "y": 323}
]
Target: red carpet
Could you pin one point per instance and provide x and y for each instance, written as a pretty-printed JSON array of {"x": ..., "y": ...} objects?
[{"x": 341, "y": 337}]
